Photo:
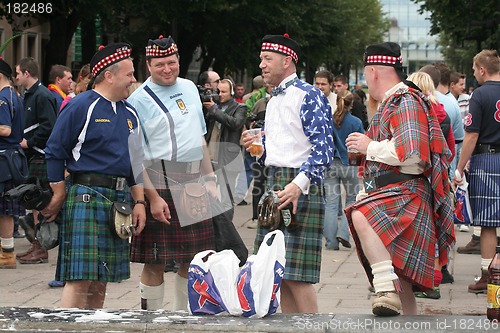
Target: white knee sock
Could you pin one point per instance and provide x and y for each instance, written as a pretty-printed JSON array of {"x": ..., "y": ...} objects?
[
  {"x": 477, "y": 231},
  {"x": 384, "y": 277},
  {"x": 485, "y": 263},
  {"x": 180, "y": 293},
  {"x": 7, "y": 243},
  {"x": 152, "y": 296}
]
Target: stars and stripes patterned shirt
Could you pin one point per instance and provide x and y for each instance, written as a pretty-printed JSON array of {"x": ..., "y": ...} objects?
[{"x": 298, "y": 132}]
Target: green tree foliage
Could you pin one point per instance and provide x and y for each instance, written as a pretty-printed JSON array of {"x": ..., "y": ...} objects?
[
  {"x": 223, "y": 34},
  {"x": 466, "y": 27}
]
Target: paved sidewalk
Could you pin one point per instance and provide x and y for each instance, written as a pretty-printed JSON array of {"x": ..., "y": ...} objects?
[{"x": 342, "y": 291}]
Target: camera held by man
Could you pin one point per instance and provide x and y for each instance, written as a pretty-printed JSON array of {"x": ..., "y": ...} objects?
[{"x": 207, "y": 94}]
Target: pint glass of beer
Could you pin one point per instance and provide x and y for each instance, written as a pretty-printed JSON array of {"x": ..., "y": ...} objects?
[
  {"x": 256, "y": 148},
  {"x": 355, "y": 157}
]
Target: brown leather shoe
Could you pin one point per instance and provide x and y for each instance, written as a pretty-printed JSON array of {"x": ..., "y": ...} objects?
[
  {"x": 32, "y": 248},
  {"x": 481, "y": 286},
  {"x": 473, "y": 247},
  {"x": 37, "y": 256},
  {"x": 386, "y": 303}
]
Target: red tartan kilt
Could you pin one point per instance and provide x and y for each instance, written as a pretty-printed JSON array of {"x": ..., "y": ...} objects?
[
  {"x": 160, "y": 243},
  {"x": 402, "y": 217}
]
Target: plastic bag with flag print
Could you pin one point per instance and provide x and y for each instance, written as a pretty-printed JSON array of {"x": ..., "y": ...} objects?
[
  {"x": 212, "y": 283},
  {"x": 260, "y": 278},
  {"x": 462, "y": 213}
]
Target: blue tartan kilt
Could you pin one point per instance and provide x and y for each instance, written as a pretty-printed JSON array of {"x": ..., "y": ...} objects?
[
  {"x": 87, "y": 248},
  {"x": 484, "y": 185},
  {"x": 10, "y": 207}
]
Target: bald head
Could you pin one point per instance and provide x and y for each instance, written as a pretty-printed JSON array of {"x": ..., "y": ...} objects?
[{"x": 380, "y": 79}]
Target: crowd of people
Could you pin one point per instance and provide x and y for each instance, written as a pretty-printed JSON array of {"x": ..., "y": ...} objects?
[{"x": 423, "y": 138}]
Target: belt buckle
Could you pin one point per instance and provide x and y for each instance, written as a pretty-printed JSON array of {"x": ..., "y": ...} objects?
[
  {"x": 491, "y": 150},
  {"x": 86, "y": 198},
  {"x": 120, "y": 183},
  {"x": 370, "y": 184}
]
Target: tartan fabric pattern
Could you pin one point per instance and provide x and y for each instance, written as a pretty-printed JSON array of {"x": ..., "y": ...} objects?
[
  {"x": 392, "y": 213},
  {"x": 38, "y": 168},
  {"x": 484, "y": 189},
  {"x": 87, "y": 249},
  {"x": 8, "y": 207},
  {"x": 411, "y": 217},
  {"x": 159, "y": 243},
  {"x": 304, "y": 246}
]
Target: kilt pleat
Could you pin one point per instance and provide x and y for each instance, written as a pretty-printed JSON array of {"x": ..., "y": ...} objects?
[
  {"x": 304, "y": 246},
  {"x": 160, "y": 243},
  {"x": 10, "y": 207},
  {"x": 402, "y": 216},
  {"x": 484, "y": 188},
  {"x": 87, "y": 248}
]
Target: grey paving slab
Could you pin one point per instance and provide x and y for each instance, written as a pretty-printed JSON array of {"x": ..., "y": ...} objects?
[{"x": 342, "y": 290}]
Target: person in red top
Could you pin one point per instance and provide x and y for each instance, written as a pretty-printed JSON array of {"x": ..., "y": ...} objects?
[{"x": 426, "y": 84}]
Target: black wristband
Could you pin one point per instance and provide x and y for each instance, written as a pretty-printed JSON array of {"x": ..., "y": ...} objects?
[{"x": 142, "y": 202}]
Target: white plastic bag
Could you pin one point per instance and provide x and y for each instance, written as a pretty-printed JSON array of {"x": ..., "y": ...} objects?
[
  {"x": 260, "y": 278},
  {"x": 462, "y": 213},
  {"x": 212, "y": 283}
]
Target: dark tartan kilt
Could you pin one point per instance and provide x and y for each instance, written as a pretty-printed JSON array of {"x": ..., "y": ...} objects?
[
  {"x": 10, "y": 208},
  {"x": 87, "y": 248},
  {"x": 484, "y": 181},
  {"x": 303, "y": 246},
  {"x": 38, "y": 168},
  {"x": 402, "y": 217},
  {"x": 160, "y": 243}
]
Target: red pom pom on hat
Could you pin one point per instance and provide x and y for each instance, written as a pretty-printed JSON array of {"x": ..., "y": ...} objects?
[
  {"x": 286, "y": 35},
  {"x": 100, "y": 47},
  {"x": 160, "y": 37}
]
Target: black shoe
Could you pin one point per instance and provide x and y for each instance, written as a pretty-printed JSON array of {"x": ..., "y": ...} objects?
[
  {"x": 447, "y": 277},
  {"x": 344, "y": 242},
  {"x": 243, "y": 203}
]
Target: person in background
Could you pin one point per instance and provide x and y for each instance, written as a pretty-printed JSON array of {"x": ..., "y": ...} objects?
[
  {"x": 11, "y": 134},
  {"x": 239, "y": 92},
  {"x": 482, "y": 147},
  {"x": 336, "y": 229},
  {"x": 60, "y": 80},
  {"x": 40, "y": 112},
  {"x": 323, "y": 80}
]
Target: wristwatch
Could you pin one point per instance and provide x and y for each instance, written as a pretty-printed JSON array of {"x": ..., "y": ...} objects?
[{"x": 210, "y": 178}]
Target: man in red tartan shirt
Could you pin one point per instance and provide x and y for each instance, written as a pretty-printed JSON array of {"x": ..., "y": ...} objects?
[{"x": 404, "y": 209}]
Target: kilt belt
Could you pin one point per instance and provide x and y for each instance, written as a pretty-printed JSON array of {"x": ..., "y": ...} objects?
[
  {"x": 101, "y": 180},
  {"x": 482, "y": 148},
  {"x": 371, "y": 184}
]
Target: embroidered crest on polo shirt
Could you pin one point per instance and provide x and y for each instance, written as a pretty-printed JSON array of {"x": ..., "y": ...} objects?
[{"x": 182, "y": 106}]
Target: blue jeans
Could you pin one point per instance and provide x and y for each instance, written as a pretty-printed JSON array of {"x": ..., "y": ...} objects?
[
  {"x": 335, "y": 223},
  {"x": 244, "y": 180}
]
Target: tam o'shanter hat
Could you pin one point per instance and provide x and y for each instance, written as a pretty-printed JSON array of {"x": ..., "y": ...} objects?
[
  {"x": 281, "y": 44},
  {"x": 161, "y": 47},
  {"x": 109, "y": 55},
  {"x": 5, "y": 68}
]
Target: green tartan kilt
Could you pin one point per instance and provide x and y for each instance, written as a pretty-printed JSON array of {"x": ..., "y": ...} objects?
[
  {"x": 87, "y": 248},
  {"x": 303, "y": 246},
  {"x": 38, "y": 168}
]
